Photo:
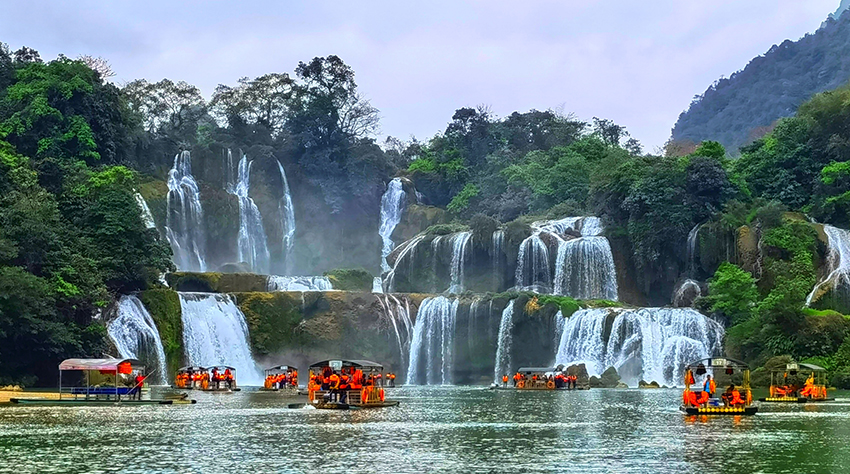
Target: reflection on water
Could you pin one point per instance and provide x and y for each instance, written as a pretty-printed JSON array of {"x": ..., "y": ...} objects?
[{"x": 448, "y": 429}]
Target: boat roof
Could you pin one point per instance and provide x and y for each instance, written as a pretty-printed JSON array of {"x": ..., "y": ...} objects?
[
  {"x": 192, "y": 368},
  {"x": 349, "y": 363},
  {"x": 718, "y": 361},
  {"x": 813, "y": 367},
  {"x": 99, "y": 364},
  {"x": 232, "y": 369},
  {"x": 540, "y": 370},
  {"x": 280, "y": 368}
]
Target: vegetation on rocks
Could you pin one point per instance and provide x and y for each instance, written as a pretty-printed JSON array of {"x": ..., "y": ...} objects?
[
  {"x": 350, "y": 279},
  {"x": 164, "y": 307}
]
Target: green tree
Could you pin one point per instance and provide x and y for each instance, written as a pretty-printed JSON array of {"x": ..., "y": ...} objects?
[{"x": 733, "y": 293}]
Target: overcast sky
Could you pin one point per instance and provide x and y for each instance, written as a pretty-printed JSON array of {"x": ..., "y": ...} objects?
[{"x": 637, "y": 63}]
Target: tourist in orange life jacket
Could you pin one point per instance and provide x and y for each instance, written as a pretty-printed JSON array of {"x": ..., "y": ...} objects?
[
  {"x": 505, "y": 380},
  {"x": 140, "y": 379},
  {"x": 357, "y": 380},
  {"x": 215, "y": 378},
  {"x": 517, "y": 378},
  {"x": 344, "y": 385},
  {"x": 333, "y": 382},
  {"x": 228, "y": 378}
]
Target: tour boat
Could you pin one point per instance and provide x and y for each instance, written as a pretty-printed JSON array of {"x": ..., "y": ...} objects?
[
  {"x": 785, "y": 389},
  {"x": 737, "y": 400},
  {"x": 222, "y": 378},
  {"x": 281, "y": 378},
  {"x": 99, "y": 382},
  {"x": 347, "y": 384},
  {"x": 190, "y": 378},
  {"x": 538, "y": 378}
]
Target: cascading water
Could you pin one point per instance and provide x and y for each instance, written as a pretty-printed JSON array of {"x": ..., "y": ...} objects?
[
  {"x": 432, "y": 347},
  {"x": 686, "y": 293},
  {"x": 585, "y": 269},
  {"x": 398, "y": 314},
  {"x": 560, "y": 324},
  {"x": 287, "y": 220},
  {"x": 184, "y": 218},
  {"x": 838, "y": 260},
  {"x": 147, "y": 217},
  {"x": 503, "y": 350},
  {"x": 251, "y": 243},
  {"x": 393, "y": 203},
  {"x": 533, "y": 264},
  {"x": 651, "y": 344},
  {"x": 692, "y": 250},
  {"x": 406, "y": 252},
  {"x": 135, "y": 335},
  {"x": 459, "y": 243},
  {"x": 377, "y": 285},
  {"x": 215, "y": 333},
  {"x": 299, "y": 283}
]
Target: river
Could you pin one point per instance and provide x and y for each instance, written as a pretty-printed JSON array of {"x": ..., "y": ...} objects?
[{"x": 435, "y": 429}]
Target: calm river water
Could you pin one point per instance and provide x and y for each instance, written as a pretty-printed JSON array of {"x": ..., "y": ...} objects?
[{"x": 439, "y": 429}]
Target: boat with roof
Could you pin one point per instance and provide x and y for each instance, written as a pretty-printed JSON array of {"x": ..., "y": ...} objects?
[
  {"x": 700, "y": 399},
  {"x": 110, "y": 381},
  {"x": 281, "y": 378},
  {"x": 787, "y": 386},
  {"x": 347, "y": 384}
]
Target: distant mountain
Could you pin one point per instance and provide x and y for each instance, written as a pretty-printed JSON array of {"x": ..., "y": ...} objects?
[{"x": 736, "y": 110}]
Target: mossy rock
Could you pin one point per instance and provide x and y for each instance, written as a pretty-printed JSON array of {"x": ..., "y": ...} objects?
[
  {"x": 416, "y": 219},
  {"x": 748, "y": 252},
  {"x": 155, "y": 193},
  {"x": 273, "y": 320},
  {"x": 214, "y": 282},
  {"x": 356, "y": 279},
  {"x": 164, "y": 307},
  {"x": 610, "y": 378}
]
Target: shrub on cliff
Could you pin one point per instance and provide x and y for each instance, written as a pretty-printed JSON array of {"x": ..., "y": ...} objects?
[{"x": 345, "y": 279}]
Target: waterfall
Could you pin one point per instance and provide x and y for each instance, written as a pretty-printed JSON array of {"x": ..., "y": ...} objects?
[
  {"x": 296, "y": 283},
  {"x": 585, "y": 269},
  {"x": 838, "y": 260},
  {"x": 135, "y": 335},
  {"x": 505, "y": 339},
  {"x": 147, "y": 217},
  {"x": 432, "y": 347},
  {"x": 184, "y": 219},
  {"x": 215, "y": 333},
  {"x": 398, "y": 315},
  {"x": 497, "y": 257},
  {"x": 560, "y": 324},
  {"x": 692, "y": 250},
  {"x": 406, "y": 252},
  {"x": 651, "y": 344},
  {"x": 393, "y": 203},
  {"x": 686, "y": 293},
  {"x": 533, "y": 264},
  {"x": 251, "y": 243},
  {"x": 459, "y": 243},
  {"x": 377, "y": 285},
  {"x": 287, "y": 220}
]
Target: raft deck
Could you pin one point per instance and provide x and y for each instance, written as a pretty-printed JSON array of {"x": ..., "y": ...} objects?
[
  {"x": 733, "y": 411},
  {"x": 795, "y": 400},
  {"x": 91, "y": 402}
]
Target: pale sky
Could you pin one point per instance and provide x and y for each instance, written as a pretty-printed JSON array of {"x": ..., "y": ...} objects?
[{"x": 637, "y": 63}]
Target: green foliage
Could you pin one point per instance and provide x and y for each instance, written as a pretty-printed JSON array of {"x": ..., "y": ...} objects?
[
  {"x": 460, "y": 202},
  {"x": 733, "y": 293},
  {"x": 273, "y": 321},
  {"x": 567, "y": 305},
  {"x": 710, "y": 149},
  {"x": 446, "y": 229},
  {"x": 350, "y": 279},
  {"x": 164, "y": 307}
]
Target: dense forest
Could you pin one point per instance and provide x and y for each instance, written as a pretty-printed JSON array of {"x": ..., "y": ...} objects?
[
  {"x": 736, "y": 110},
  {"x": 75, "y": 147}
]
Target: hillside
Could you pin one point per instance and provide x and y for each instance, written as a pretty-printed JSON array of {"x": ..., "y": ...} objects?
[{"x": 738, "y": 109}]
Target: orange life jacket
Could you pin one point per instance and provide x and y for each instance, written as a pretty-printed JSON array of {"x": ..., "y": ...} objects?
[{"x": 334, "y": 381}]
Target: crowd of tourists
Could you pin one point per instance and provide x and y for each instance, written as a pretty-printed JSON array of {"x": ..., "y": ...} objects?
[
  {"x": 281, "y": 380},
  {"x": 336, "y": 385}
]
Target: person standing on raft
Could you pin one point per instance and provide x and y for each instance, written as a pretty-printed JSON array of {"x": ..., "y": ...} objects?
[
  {"x": 505, "y": 380},
  {"x": 709, "y": 386},
  {"x": 140, "y": 380}
]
